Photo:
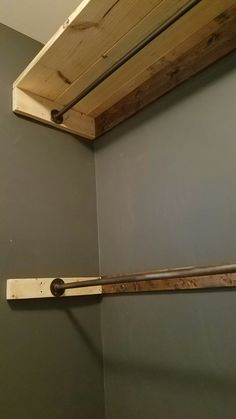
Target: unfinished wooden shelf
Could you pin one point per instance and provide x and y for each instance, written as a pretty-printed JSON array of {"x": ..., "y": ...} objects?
[{"x": 98, "y": 34}]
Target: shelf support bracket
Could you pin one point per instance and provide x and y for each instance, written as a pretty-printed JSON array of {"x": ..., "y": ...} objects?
[
  {"x": 26, "y": 288},
  {"x": 33, "y": 106}
]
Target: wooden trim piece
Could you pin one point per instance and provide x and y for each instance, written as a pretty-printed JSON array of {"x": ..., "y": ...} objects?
[
  {"x": 36, "y": 107},
  {"x": 26, "y": 288},
  {"x": 180, "y": 284},
  {"x": 203, "y": 48}
]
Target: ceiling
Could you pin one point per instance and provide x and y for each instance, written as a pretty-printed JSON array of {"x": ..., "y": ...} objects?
[{"x": 38, "y": 19}]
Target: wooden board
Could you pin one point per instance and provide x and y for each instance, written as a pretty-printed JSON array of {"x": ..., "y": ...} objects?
[
  {"x": 84, "y": 38},
  {"x": 98, "y": 34},
  {"x": 155, "y": 18},
  {"x": 180, "y": 284},
  {"x": 28, "y": 288},
  {"x": 25, "y": 288},
  {"x": 204, "y": 48},
  {"x": 181, "y": 39},
  {"x": 25, "y": 103}
]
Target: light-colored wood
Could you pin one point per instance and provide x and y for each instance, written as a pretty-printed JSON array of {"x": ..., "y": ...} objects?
[
  {"x": 97, "y": 34},
  {"x": 84, "y": 38},
  {"x": 187, "y": 32},
  {"x": 25, "y": 288},
  {"x": 28, "y": 104},
  {"x": 154, "y": 19},
  {"x": 180, "y": 284}
]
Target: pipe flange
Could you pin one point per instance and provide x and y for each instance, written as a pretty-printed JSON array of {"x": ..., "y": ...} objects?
[
  {"x": 55, "y": 290},
  {"x": 55, "y": 118}
]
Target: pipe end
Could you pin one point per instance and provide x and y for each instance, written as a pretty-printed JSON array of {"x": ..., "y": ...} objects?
[
  {"x": 55, "y": 118},
  {"x": 55, "y": 287}
]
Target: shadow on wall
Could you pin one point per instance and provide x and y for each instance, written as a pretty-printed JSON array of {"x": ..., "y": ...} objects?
[
  {"x": 140, "y": 371},
  {"x": 89, "y": 144},
  {"x": 186, "y": 89},
  {"x": 81, "y": 331},
  {"x": 71, "y": 308},
  {"x": 52, "y": 304},
  {"x": 143, "y": 373}
]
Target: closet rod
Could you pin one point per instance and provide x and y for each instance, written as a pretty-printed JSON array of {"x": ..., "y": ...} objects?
[
  {"x": 57, "y": 115},
  {"x": 58, "y": 286}
]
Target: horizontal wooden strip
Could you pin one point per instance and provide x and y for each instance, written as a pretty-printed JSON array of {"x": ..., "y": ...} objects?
[
  {"x": 28, "y": 288},
  {"x": 33, "y": 106},
  {"x": 210, "y": 48},
  {"x": 180, "y": 284},
  {"x": 167, "y": 47},
  {"x": 25, "y": 288},
  {"x": 157, "y": 16},
  {"x": 85, "y": 37}
]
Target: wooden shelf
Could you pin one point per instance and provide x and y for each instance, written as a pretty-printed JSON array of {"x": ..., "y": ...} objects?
[{"x": 98, "y": 34}]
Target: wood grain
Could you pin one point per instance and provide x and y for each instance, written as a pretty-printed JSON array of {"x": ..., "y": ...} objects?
[
  {"x": 38, "y": 108},
  {"x": 143, "y": 26},
  {"x": 97, "y": 34},
  {"x": 204, "y": 48},
  {"x": 26, "y": 288},
  {"x": 171, "y": 44},
  {"x": 86, "y": 36},
  {"x": 180, "y": 284}
]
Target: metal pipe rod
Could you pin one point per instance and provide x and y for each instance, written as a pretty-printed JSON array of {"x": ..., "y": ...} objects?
[
  {"x": 58, "y": 286},
  {"x": 57, "y": 116}
]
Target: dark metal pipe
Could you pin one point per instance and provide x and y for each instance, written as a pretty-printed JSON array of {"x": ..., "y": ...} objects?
[
  {"x": 57, "y": 116},
  {"x": 58, "y": 286}
]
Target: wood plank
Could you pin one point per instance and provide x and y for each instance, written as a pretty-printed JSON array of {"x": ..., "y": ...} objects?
[
  {"x": 188, "y": 31},
  {"x": 26, "y": 288},
  {"x": 209, "y": 45},
  {"x": 28, "y": 104},
  {"x": 154, "y": 19},
  {"x": 85, "y": 37},
  {"x": 180, "y": 284}
]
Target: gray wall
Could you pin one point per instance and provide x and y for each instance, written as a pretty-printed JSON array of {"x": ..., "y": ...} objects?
[
  {"x": 166, "y": 197},
  {"x": 50, "y": 352}
]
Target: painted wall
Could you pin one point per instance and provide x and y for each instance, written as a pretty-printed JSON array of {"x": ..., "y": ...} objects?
[
  {"x": 50, "y": 351},
  {"x": 49, "y": 17},
  {"x": 166, "y": 198}
]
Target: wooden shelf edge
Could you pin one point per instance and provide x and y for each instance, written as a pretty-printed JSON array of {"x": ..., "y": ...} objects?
[
  {"x": 38, "y": 108},
  {"x": 28, "y": 288}
]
